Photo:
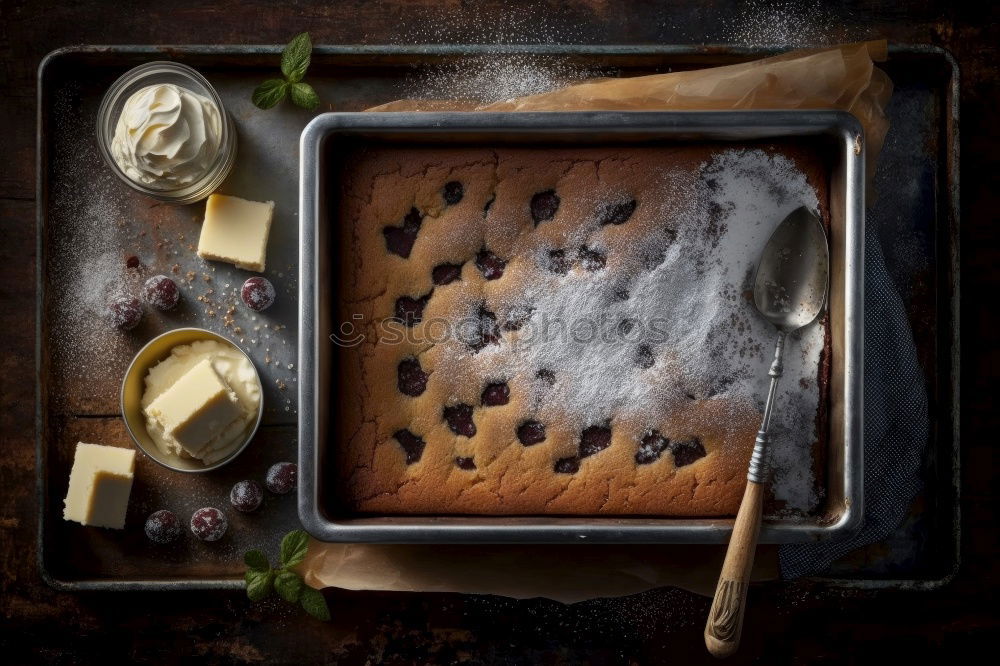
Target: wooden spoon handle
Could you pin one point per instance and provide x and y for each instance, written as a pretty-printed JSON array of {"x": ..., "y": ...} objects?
[{"x": 725, "y": 620}]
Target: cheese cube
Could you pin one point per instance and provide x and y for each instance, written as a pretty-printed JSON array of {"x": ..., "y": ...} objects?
[
  {"x": 197, "y": 408},
  {"x": 235, "y": 230},
  {"x": 99, "y": 485}
]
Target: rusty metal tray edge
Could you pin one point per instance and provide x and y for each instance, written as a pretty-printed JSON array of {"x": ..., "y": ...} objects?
[
  {"x": 846, "y": 512},
  {"x": 690, "y": 52}
]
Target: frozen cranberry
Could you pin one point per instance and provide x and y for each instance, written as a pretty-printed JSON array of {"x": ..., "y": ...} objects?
[
  {"x": 617, "y": 213},
  {"x": 446, "y": 274},
  {"x": 258, "y": 293},
  {"x": 125, "y": 312},
  {"x": 161, "y": 292},
  {"x": 410, "y": 377},
  {"x": 459, "y": 419},
  {"x": 163, "y": 527},
  {"x": 592, "y": 260},
  {"x": 652, "y": 447},
  {"x": 567, "y": 465},
  {"x": 132, "y": 261},
  {"x": 644, "y": 357},
  {"x": 465, "y": 463},
  {"x": 495, "y": 395},
  {"x": 558, "y": 262},
  {"x": 531, "y": 432},
  {"x": 544, "y": 206},
  {"x": 594, "y": 439},
  {"x": 282, "y": 477},
  {"x": 452, "y": 192},
  {"x": 399, "y": 240},
  {"x": 490, "y": 264},
  {"x": 687, "y": 452},
  {"x": 412, "y": 445},
  {"x": 209, "y": 524},
  {"x": 246, "y": 496},
  {"x": 410, "y": 310}
]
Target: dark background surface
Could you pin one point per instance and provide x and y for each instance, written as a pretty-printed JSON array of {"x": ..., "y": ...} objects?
[{"x": 792, "y": 622}]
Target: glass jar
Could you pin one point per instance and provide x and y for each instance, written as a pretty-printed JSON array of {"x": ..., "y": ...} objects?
[{"x": 154, "y": 73}]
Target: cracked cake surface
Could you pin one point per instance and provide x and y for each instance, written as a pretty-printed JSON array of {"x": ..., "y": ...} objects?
[{"x": 530, "y": 342}]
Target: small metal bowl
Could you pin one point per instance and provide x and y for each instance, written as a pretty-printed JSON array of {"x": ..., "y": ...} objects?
[{"x": 134, "y": 384}]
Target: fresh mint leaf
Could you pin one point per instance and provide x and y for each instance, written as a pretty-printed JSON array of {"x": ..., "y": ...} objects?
[
  {"x": 293, "y": 548},
  {"x": 256, "y": 560},
  {"x": 269, "y": 93},
  {"x": 313, "y": 602},
  {"x": 259, "y": 584},
  {"x": 303, "y": 95},
  {"x": 295, "y": 58},
  {"x": 289, "y": 585}
]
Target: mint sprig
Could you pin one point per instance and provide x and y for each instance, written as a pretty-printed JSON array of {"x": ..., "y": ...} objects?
[
  {"x": 262, "y": 580},
  {"x": 295, "y": 59}
]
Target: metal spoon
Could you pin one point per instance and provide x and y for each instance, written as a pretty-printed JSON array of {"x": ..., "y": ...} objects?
[{"x": 790, "y": 289}]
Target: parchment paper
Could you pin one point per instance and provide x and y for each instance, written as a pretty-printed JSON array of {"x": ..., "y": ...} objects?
[{"x": 842, "y": 77}]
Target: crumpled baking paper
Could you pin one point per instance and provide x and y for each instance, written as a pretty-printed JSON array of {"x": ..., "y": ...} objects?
[{"x": 842, "y": 77}]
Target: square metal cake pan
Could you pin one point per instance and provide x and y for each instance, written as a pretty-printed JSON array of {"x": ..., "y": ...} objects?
[{"x": 842, "y": 512}]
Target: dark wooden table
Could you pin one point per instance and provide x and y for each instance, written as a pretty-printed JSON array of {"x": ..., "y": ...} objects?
[{"x": 793, "y": 622}]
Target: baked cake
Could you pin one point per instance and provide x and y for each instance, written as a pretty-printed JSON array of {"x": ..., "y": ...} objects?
[{"x": 556, "y": 330}]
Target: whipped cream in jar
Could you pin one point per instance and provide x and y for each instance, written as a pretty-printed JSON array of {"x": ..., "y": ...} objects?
[{"x": 163, "y": 130}]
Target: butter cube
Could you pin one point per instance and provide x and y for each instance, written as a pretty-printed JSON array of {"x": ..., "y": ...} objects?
[
  {"x": 99, "y": 485},
  {"x": 197, "y": 408},
  {"x": 235, "y": 230}
]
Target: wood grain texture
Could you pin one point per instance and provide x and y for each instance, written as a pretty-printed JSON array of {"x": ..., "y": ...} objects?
[{"x": 792, "y": 623}]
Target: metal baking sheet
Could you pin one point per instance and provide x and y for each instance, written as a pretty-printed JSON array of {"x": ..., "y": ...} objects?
[
  {"x": 321, "y": 142},
  {"x": 923, "y": 145}
]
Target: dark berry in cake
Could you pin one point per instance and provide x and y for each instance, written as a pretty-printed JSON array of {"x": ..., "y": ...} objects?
[
  {"x": 412, "y": 445},
  {"x": 163, "y": 527},
  {"x": 209, "y": 524},
  {"x": 258, "y": 293},
  {"x": 490, "y": 264},
  {"x": 558, "y": 262},
  {"x": 687, "y": 452},
  {"x": 594, "y": 439},
  {"x": 411, "y": 310},
  {"x": 567, "y": 465},
  {"x": 124, "y": 312},
  {"x": 452, "y": 192},
  {"x": 485, "y": 330},
  {"x": 547, "y": 376},
  {"x": 459, "y": 419},
  {"x": 592, "y": 260},
  {"x": 495, "y": 395},
  {"x": 517, "y": 318},
  {"x": 399, "y": 240},
  {"x": 246, "y": 496},
  {"x": 410, "y": 377},
  {"x": 446, "y": 274},
  {"x": 644, "y": 357},
  {"x": 282, "y": 478},
  {"x": 161, "y": 292},
  {"x": 652, "y": 447},
  {"x": 544, "y": 206},
  {"x": 465, "y": 463},
  {"x": 617, "y": 213},
  {"x": 530, "y": 432},
  {"x": 132, "y": 261}
]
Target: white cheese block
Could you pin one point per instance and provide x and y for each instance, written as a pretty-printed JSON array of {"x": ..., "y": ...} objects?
[
  {"x": 235, "y": 230},
  {"x": 99, "y": 485}
]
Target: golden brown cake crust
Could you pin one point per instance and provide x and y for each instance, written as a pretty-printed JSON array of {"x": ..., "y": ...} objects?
[{"x": 398, "y": 453}]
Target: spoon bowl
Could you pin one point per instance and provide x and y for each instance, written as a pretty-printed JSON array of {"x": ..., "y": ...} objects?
[{"x": 790, "y": 285}]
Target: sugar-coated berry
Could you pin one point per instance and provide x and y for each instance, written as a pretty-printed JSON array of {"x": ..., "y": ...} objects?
[
  {"x": 246, "y": 496},
  {"x": 282, "y": 478},
  {"x": 163, "y": 527},
  {"x": 258, "y": 293},
  {"x": 209, "y": 524},
  {"x": 161, "y": 292},
  {"x": 125, "y": 312}
]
